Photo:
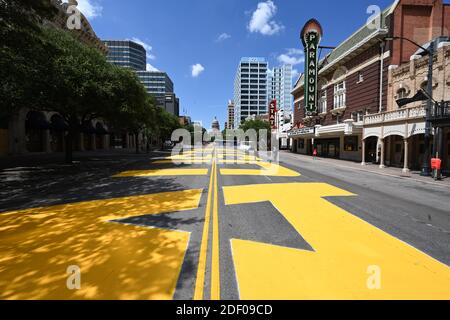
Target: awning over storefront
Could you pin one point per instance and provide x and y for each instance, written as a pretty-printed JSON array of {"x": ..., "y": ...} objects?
[
  {"x": 37, "y": 120},
  {"x": 295, "y": 133}
]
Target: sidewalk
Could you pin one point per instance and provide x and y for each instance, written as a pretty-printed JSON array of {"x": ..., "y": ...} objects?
[
  {"x": 42, "y": 159},
  {"x": 372, "y": 168}
]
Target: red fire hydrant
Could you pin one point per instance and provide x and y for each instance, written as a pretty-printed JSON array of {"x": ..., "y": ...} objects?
[{"x": 436, "y": 166}]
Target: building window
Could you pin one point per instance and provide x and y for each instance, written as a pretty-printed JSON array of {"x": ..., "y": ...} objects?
[
  {"x": 323, "y": 102},
  {"x": 301, "y": 144},
  {"x": 351, "y": 143},
  {"x": 402, "y": 93},
  {"x": 339, "y": 95}
]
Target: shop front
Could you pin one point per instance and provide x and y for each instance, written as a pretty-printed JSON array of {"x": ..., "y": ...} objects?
[{"x": 328, "y": 148}]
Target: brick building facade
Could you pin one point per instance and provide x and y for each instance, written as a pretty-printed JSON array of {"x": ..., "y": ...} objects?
[{"x": 355, "y": 81}]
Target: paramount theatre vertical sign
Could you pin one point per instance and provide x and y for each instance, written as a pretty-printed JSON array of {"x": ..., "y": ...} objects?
[{"x": 311, "y": 36}]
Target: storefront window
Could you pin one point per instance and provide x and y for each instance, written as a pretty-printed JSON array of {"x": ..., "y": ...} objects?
[
  {"x": 301, "y": 143},
  {"x": 351, "y": 143}
]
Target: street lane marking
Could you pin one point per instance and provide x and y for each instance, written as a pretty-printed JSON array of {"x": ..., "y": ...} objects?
[
  {"x": 201, "y": 270},
  {"x": 345, "y": 247},
  {"x": 117, "y": 261},
  {"x": 268, "y": 169},
  {"x": 162, "y": 172},
  {"x": 215, "y": 267},
  {"x": 186, "y": 161}
]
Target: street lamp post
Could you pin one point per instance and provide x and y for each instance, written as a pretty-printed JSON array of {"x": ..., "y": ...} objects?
[{"x": 426, "y": 168}]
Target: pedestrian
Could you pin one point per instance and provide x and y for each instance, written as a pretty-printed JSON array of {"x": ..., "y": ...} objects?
[{"x": 314, "y": 153}]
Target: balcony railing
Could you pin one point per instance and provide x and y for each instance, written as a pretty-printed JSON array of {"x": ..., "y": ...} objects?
[
  {"x": 397, "y": 115},
  {"x": 440, "y": 112}
]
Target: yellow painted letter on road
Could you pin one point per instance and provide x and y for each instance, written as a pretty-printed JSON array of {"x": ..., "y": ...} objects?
[
  {"x": 38, "y": 247},
  {"x": 344, "y": 249}
]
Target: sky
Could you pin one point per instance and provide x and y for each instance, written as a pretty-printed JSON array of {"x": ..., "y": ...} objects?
[{"x": 199, "y": 43}]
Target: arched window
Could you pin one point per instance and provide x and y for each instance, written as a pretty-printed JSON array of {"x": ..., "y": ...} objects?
[
  {"x": 323, "y": 101},
  {"x": 402, "y": 93}
]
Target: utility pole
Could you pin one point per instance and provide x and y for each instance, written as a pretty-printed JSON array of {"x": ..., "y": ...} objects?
[{"x": 426, "y": 170}]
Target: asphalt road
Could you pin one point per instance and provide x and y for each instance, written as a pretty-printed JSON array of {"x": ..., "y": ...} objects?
[{"x": 135, "y": 227}]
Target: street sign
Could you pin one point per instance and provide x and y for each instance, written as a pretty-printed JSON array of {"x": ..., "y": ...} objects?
[
  {"x": 311, "y": 35},
  {"x": 273, "y": 114}
]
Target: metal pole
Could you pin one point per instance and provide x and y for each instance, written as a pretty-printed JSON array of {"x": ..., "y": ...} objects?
[
  {"x": 381, "y": 77},
  {"x": 426, "y": 170}
]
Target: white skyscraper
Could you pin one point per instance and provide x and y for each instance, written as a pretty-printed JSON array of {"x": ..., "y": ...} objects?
[
  {"x": 280, "y": 88},
  {"x": 250, "y": 89}
]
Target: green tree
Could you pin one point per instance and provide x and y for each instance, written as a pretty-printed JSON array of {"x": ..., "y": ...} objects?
[
  {"x": 167, "y": 123},
  {"x": 23, "y": 53},
  {"x": 256, "y": 125},
  {"x": 134, "y": 110}
]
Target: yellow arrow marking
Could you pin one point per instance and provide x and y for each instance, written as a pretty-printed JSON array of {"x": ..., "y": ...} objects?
[
  {"x": 345, "y": 248},
  {"x": 117, "y": 261},
  {"x": 268, "y": 169},
  {"x": 162, "y": 172}
]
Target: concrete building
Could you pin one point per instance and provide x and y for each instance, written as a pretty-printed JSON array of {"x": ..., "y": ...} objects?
[
  {"x": 230, "y": 116},
  {"x": 358, "y": 82},
  {"x": 185, "y": 120},
  {"x": 171, "y": 104},
  {"x": 250, "y": 89},
  {"x": 399, "y": 132},
  {"x": 280, "y": 88}
]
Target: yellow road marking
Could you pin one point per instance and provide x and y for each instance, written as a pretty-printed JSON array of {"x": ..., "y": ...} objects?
[
  {"x": 200, "y": 280},
  {"x": 189, "y": 157},
  {"x": 187, "y": 161},
  {"x": 268, "y": 170},
  {"x": 215, "y": 267},
  {"x": 162, "y": 172},
  {"x": 117, "y": 261},
  {"x": 345, "y": 248}
]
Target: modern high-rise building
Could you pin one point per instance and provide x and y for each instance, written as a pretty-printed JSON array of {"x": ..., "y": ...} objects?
[
  {"x": 127, "y": 54},
  {"x": 157, "y": 83},
  {"x": 230, "y": 113},
  {"x": 280, "y": 88},
  {"x": 250, "y": 89}
]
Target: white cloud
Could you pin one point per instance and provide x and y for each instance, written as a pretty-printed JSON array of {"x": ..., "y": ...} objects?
[
  {"x": 90, "y": 8},
  {"x": 197, "y": 69},
  {"x": 292, "y": 56},
  {"x": 224, "y": 36},
  {"x": 295, "y": 51},
  {"x": 286, "y": 59},
  {"x": 261, "y": 21},
  {"x": 151, "y": 68},
  {"x": 295, "y": 74},
  {"x": 146, "y": 46}
]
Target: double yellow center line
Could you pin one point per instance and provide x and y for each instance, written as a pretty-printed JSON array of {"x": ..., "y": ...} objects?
[{"x": 215, "y": 261}]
